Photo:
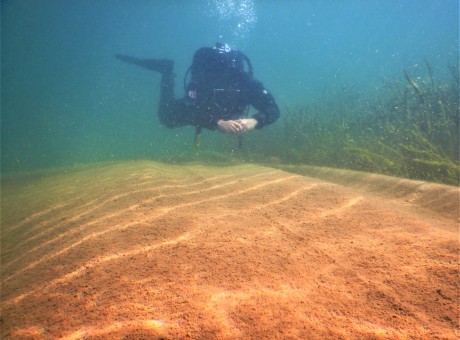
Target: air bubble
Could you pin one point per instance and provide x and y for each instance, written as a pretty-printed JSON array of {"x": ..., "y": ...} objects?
[{"x": 236, "y": 19}]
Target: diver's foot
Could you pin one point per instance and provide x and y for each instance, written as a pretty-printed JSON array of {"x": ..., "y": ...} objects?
[{"x": 163, "y": 66}]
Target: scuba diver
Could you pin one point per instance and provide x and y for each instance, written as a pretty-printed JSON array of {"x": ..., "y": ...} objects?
[{"x": 218, "y": 92}]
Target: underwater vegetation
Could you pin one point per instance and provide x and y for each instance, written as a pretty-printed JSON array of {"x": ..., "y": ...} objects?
[{"x": 411, "y": 130}]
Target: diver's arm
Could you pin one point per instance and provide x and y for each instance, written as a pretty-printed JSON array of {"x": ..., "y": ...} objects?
[{"x": 263, "y": 101}]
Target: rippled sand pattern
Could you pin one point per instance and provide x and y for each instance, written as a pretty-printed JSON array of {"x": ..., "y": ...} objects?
[{"x": 147, "y": 250}]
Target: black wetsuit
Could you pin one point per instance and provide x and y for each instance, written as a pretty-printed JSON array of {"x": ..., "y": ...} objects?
[{"x": 218, "y": 92}]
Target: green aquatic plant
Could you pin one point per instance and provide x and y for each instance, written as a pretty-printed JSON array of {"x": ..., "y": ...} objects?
[{"x": 410, "y": 130}]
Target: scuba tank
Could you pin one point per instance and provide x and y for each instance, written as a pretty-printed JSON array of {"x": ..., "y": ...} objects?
[{"x": 209, "y": 63}]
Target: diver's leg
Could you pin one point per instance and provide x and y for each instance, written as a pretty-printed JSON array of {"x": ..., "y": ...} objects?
[
  {"x": 172, "y": 112},
  {"x": 168, "y": 105}
]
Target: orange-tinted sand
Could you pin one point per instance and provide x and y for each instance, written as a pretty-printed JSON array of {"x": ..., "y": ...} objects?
[{"x": 143, "y": 250}]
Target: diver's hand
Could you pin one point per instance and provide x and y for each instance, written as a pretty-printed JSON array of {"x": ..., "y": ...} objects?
[
  {"x": 248, "y": 124},
  {"x": 232, "y": 127},
  {"x": 236, "y": 127}
]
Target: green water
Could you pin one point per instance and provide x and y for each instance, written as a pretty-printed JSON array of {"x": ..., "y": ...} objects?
[{"x": 336, "y": 69}]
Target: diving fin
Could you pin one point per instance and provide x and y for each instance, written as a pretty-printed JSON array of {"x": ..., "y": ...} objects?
[{"x": 163, "y": 66}]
